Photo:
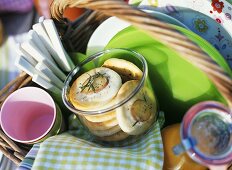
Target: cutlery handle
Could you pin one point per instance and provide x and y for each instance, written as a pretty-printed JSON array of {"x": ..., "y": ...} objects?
[
  {"x": 63, "y": 59},
  {"x": 22, "y": 63},
  {"x": 45, "y": 84},
  {"x": 49, "y": 74},
  {"x": 33, "y": 36},
  {"x": 54, "y": 69},
  {"x": 27, "y": 56},
  {"x": 35, "y": 52},
  {"x": 43, "y": 36}
]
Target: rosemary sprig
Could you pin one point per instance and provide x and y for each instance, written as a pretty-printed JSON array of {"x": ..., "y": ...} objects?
[
  {"x": 90, "y": 82},
  {"x": 135, "y": 123}
]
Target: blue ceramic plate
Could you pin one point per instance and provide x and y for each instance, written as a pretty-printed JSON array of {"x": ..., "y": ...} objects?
[
  {"x": 162, "y": 16},
  {"x": 207, "y": 28},
  {"x": 211, "y": 19}
]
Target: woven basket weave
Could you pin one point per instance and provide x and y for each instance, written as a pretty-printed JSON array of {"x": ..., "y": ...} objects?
[{"x": 76, "y": 35}]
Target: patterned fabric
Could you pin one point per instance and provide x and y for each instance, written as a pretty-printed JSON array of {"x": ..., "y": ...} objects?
[
  {"x": 77, "y": 149},
  {"x": 28, "y": 161},
  {"x": 15, "y": 5}
]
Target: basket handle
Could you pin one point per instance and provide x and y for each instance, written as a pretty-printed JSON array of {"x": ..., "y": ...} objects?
[{"x": 162, "y": 31}]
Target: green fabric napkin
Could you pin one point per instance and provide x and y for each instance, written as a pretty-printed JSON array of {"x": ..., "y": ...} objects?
[{"x": 78, "y": 149}]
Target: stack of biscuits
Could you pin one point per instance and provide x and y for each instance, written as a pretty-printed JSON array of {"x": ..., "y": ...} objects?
[
  {"x": 105, "y": 126},
  {"x": 102, "y": 88}
]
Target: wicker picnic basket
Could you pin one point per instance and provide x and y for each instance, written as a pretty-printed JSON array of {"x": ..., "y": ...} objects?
[{"x": 76, "y": 35}]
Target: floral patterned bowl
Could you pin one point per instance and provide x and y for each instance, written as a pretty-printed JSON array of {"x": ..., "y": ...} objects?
[{"x": 211, "y": 19}]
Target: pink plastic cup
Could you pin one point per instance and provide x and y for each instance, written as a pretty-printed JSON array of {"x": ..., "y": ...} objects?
[{"x": 30, "y": 115}]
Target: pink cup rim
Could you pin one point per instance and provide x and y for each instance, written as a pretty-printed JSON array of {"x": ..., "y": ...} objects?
[{"x": 52, "y": 123}]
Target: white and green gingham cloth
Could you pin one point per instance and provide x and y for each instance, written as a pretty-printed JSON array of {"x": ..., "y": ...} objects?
[{"x": 78, "y": 150}]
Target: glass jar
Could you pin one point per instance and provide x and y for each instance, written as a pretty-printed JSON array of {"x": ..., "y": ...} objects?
[
  {"x": 130, "y": 112},
  {"x": 206, "y": 134}
]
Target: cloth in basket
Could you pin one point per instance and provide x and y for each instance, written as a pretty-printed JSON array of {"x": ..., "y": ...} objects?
[{"x": 76, "y": 149}]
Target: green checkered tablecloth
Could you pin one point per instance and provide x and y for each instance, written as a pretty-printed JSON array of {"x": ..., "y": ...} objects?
[{"x": 79, "y": 150}]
